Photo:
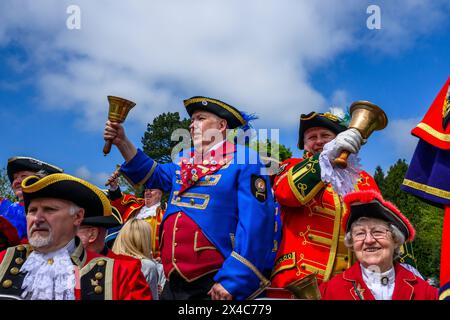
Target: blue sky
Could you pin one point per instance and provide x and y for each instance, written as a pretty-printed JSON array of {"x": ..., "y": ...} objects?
[{"x": 276, "y": 59}]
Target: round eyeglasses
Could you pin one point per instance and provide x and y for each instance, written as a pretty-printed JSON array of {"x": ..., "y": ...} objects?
[{"x": 376, "y": 233}]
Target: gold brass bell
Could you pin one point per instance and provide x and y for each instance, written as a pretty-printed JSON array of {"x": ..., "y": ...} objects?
[{"x": 366, "y": 118}]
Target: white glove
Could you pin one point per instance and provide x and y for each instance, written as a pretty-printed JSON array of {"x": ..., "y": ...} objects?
[
  {"x": 349, "y": 140},
  {"x": 342, "y": 180}
]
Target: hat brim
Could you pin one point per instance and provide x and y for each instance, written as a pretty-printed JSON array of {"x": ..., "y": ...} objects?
[
  {"x": 17, "y": 164},
  {"x": 219, "y": 108},
  {"x": 315, "y": 119},
  {"x": 107, "y": 222},
  {"x": 66, "y": 187}
]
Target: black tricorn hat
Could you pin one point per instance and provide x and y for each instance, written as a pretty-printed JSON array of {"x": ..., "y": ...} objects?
[
  {"x": 107, "y": 222},
  {"x": 67, "y": 187},
  {"x": 313, "y": 119},
  {"x": 16, "y": 164},
  {"x": 219, "y": 108}
]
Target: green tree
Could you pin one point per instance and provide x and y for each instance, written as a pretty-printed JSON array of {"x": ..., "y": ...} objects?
[
  {"x": 157, "y": 142},
  {"x": 379, "y": 178},
  {"x": 5, "y": 186},
  {"x": 267, "y": 149},
  {"x": 426, "y": 219}
]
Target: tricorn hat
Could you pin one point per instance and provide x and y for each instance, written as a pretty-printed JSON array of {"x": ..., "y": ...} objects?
[
  {"x": 16, "y": 164},
  {"x": 234, "y": 117},
  {"x": 107, "y": 222},
  {"x": 371, "y": 204},
  {"x": 325, "y": 120},
  {"x": 67, "y": 187}
]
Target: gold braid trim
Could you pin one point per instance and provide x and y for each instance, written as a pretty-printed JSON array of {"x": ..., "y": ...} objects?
[
  {"x": 221, "y": 104},
  {"x": 438, "y": 135},
  {"x": 444, "y": 294},
  {"x": 427, "y": 189},
  {"x": 42, "y": 183},
  {"x": 264, "y": 282}
]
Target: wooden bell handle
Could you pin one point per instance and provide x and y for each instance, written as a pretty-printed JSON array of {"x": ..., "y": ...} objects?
[
  {"x": 341, "y": 161},
  {"x": 107, "y": 147}
]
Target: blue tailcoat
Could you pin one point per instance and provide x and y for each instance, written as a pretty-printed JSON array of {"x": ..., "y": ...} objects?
[{"x": 226, "y": 209}]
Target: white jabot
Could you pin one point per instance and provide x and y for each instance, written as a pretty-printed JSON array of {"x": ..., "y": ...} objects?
[
  {"x": 146, "y": 212},
  {"x": 49, "y": 276},
  {"x": 380, "y": 284}
]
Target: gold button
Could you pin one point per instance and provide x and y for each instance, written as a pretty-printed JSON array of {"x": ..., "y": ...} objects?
[
  {"x": 192, "y": 202},
  {"x": 50, "y": 261},
  {"x": 7, "y": 284},
  {"x": 99, "y": 276},
  {"x": 101, "y": 263},
  {"x": 303, "y": 266},
  {"x": 179, "y": 215},
  {"x": 176, "y": 229},
  {"x": 175, "y": 244},
  {"x": 98, "y": 289},
  {"x": 19, "y": 260},
  {"x": 14, "y": 271},
  {"x": 310, "y": 237},
  {"x": 20, "y": 248},
  {"x": 207, "y": 178},
  {"x": 174, "y": 260}
]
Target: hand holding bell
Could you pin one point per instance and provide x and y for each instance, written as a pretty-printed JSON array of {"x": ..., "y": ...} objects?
[
  {"x": 366, "y": 118},
  {"x": 118, "y": 111}
]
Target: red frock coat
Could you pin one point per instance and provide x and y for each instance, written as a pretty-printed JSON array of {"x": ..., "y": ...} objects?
[
  {"x": 311, "y": 213},
  {"x": 344, "y": 286}
]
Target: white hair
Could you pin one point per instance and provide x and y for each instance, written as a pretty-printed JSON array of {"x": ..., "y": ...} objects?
[
  {"x": 397, "y": 236},
  {"x": 73, "y": 208}
]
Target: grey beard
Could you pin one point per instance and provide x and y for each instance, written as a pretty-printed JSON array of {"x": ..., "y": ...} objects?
[{"x": 38, "y": 241}]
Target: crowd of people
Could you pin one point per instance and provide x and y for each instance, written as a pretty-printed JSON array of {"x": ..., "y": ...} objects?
[{"x": 230, "y": 230}]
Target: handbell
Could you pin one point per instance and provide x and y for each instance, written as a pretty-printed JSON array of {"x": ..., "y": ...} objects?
[
  {"x": 118, "y": 111},
  {"x": 366, "y": 118},
  {"x": 305, "y": 288}
]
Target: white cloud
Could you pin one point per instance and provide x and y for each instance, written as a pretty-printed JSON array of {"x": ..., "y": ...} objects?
[
  {"x": 83, "y": 172},
  {"x": 257, "y": 56},
  {"x": 398, "y": 135},
  {"x": 96, "y": 178}
]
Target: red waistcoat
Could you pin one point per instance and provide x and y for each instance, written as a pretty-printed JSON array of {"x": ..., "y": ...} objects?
[{"x": 186, "y": 250}]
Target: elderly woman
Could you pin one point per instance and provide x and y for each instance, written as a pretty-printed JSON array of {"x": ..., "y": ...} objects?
[{"x": 375, "y": 230}]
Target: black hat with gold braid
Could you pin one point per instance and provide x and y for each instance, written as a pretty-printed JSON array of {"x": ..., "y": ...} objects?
[
  {"x": 324, "y": 120},
  {"x": 16, "y": 164},
  {"x": 67, "y": 187},
  {"x": 235, "y": 118}
]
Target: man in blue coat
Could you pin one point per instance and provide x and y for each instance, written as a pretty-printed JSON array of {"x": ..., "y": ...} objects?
[{"x": 217, "y": 232}]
